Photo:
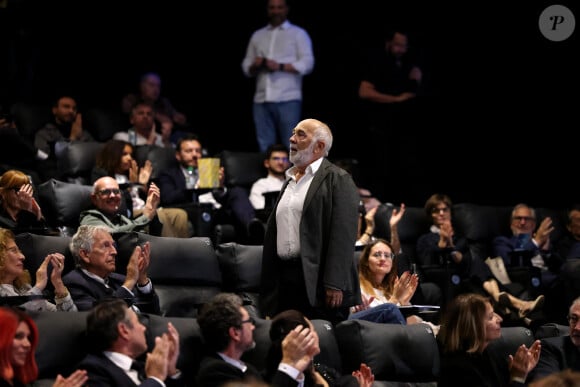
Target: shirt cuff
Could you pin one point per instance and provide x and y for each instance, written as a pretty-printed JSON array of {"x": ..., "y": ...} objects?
[{"x": 289, "y": 370}]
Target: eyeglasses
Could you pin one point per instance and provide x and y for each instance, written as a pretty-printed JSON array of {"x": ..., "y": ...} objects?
[
  {"x": 520, "y": 218},
  {"x": 15, "y": 189},
  {"x": 385, "y": 254},
  {"x": 250, "y": 320},
  {"x": 109, "y": 191},
  {"x": 572, "y": 319},
  {"x": 284, "y": 159},
  {"x": 438, "y": 210}
]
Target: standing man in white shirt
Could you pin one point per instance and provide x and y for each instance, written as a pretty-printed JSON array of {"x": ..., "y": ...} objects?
[{"x": 278, "y": 55}]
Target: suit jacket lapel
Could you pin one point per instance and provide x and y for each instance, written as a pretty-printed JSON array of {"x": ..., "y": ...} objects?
[{"x": 319, "y": 177}]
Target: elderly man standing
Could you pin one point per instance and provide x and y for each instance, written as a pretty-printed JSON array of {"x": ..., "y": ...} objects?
[
  {"x": 95, "y": 279},
  {"x": 309, "y": 243}
]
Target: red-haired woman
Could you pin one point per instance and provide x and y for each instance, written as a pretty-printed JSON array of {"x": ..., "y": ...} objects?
[{"x": 18, "y": 341}]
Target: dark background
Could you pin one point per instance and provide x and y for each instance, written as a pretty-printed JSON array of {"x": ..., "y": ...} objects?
[{"x": 498, "y": 122}]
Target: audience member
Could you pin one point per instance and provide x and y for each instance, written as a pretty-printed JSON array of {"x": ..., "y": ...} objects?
[
  {"x": 427, "y": 293},
  {"x": 309, "y": 244},
  {"x": 179, "y": 183},
  {"x": 316, "y": 374},
  {"x": 442, "y": 247},
  {"x": 53, "y": 137},
  {"x": 15, "y": 280},
  {"x": 118, "y": 341},
  {"x": 18, "y": 342},
  {"x": 94, "y": 278},
  {"x": 276, "y": 163},
  {"x": 561, "y": 352},
  {"x": 568, "y": 248},
  {"x": 382, "y": 290},
  {"x": 19, "y": 210},
  {"x": 106, "y": 199},
  {"x": 227, "y": 331},
  {"x": 278, "y": 55},
  {"x": 469, "y": 325},
  {"x": 143, "y": 129},
  {"x": 525, "y": 237},
  {"x": 150, "y": 92},
  {"x": 390, "y": 81},
  {"x": 533, "y": 246}
]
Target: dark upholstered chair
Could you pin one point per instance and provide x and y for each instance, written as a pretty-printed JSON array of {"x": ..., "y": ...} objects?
[
  {"x": 184, "y": 271},
  {"x": 406, "y": 353},
  {"x": 101, "y": 123},
  {"x": 62, "y": 202},
  {"x": 29, "y": 117},
  {"x": 77, "y": 160},
  {"x": 241, "y": 266},
  {"x": 242, "y": 168}
]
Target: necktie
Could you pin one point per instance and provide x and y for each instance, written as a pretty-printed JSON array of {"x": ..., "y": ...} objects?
[{"x": 140, "y": 368}]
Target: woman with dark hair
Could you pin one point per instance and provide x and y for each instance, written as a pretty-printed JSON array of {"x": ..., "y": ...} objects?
[
  {"x": 18, "y": 341},
  {"x": 19, "y": 210},
  {"x": 15, "y": 280},
  {"x": 468, "y": 326},
  {"x": 318, "y": 374}
]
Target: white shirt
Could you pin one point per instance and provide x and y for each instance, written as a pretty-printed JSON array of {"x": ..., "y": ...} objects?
[
  {"x": 141, "y": 140},
  {"x": 286, "y": 43},
  {"x": 289, "y": 211},
  {"x": 124, "y": 362},
  {"x": 265, "y": 184}
]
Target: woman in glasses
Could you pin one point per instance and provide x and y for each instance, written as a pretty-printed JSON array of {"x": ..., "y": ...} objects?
[
  {"x": 442, "y": 247},
  {"x": 19, "y": 210},
  {"x": 382, "y": 290}
]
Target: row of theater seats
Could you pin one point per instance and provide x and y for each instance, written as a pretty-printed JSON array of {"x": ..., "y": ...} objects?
[
  {"x": 398, "y": 354},
  {"x": 479, "y": 224},
  {"x": 188, "y": 272}
]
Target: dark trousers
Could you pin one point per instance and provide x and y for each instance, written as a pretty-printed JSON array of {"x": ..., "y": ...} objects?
[{"x": 292, "y": 295}]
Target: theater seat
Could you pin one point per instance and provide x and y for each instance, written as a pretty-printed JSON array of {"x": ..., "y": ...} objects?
[{"x": 184, "y": 271}]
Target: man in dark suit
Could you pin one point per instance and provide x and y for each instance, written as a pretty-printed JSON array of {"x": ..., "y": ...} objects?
[
  {"x": 560, "y": 352},
  {"x": 179, "y": 183},
  {"x": 227, "y": 331},
  {"x": 94, "y": 277},
  {"x": 309, "y": 243},
  {"x": 117, "y": 338}
]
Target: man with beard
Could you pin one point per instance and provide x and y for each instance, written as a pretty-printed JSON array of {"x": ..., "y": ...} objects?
[
  {"x": 228, "y": 331},
  {"x": 307, "y": 261},
  {"x": 66, "y": 126}
]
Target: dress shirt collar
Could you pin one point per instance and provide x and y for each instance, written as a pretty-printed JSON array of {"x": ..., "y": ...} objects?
[
  {"x": 283, "y": 26},
  {"x": 236, "y": 363},
  {"x": 96, "y": 277},
  {"x": 310, "y": 169}
]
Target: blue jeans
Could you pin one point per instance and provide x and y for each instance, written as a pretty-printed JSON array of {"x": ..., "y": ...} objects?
[
  {"x": 275, "y": 122},
  {"x": 385, "y": 313}
]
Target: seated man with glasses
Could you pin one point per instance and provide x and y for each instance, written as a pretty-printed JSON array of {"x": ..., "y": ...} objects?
[
  {"x": 95, "y": 277},
  {"x": 560, "y": 352},
  {"x": 228, "y": 332},
  {"x": 529, "y": 243},
  {"x": 106, "y": 198}
]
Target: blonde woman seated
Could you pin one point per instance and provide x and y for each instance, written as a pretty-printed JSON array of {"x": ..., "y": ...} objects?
[
  {"x": 382, "y": 290},
  {"x": 15, "y": 280}
]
